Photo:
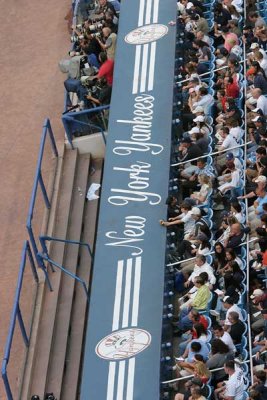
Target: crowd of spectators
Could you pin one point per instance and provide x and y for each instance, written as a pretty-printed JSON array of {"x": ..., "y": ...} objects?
[
  {"x": 90, "y": 64},
  {"x": 217, "y": 208}
]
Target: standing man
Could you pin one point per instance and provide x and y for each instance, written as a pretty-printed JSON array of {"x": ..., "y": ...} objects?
[{"x": 110, "y": 42}]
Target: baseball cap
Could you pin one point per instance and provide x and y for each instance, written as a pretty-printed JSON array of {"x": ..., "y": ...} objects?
[
  {"x": 228, "y": 300},
  {"x": 254, "y": 46},
  {"x": 258, "y": 119},
  {"x": 261, "y": 178},
  {"x": 198, "y": 109},
  {"x": 257, "y": 292},
  {"x": 229, "y": 156},
  {"x": 193, "y": 130},
  {"x": 199, "y": 118},
  {"x": 195, "y": 211}
]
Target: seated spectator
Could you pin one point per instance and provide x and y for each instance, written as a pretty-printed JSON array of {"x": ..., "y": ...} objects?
[
  {"x": 259, "y": 384},
  {"x": 223, "y": 335},
  {"x": 194, "y": 383},
  {"x": 197, "y": 367},
  {"x": 184, "y": 219},
  {"x": 237, "y": 327},
  {"x": 220, "y": 352},
  {"x": 196, "y": 346},
  {"x": 203, "y": 50},
  {"x": 230, "y": 38},
  {"x": 230, "y": 306},
  {"x": 200, "y": 300},
  {"x": 231, "y": 180},
  {"x": 258, "y": 101},
  {"x": 235, "y": 238},
  {"x": 231, "y": 88},
  {"x": 204, "y": 99},
  {"x": 201, "y": 196},
  {"x": 201, "y": 265},
  {"x": 233, "y": 388}
]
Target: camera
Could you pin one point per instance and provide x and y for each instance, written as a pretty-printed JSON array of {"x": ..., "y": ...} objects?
[
  {"x": 97, "y": 34},
  {"x": 95, "y": 27},
  {"x": 74, "y": 39}
]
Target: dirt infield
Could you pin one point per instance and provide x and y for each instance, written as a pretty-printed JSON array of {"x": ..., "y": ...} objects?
[{"x": 34, "y": 36}]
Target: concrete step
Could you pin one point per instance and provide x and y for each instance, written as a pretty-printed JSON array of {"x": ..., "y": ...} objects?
[
  {"x": 61, "y": 329},
  {"x": 49, "y": 309},
  {"x": 79, "y": 308}
]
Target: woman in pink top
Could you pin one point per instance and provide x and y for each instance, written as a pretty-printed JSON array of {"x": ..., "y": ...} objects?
[{"x": 230, "y": 39}]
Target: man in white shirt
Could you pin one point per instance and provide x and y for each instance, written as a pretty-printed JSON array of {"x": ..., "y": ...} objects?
[
  {"x": 228, "y": 141},
  {"x": 235, "y": 384},
  {"x": 228, "y": 303},
  {"x": 201, "y": 266},
  {"x": 184, "y": 218},
  {"x": 183, "y": 6},
  {"x": 204, "y": 99},
  {"x": 233, "y": 388},
  {"x": 230, "y": 157},
  {"x": 261, "y": 60},
  {"x": 255, "y": 47},
  {"x": 232, "y": 181},
  {"x": 220, "y": 333},
  {"x": 261, "y": 100}
]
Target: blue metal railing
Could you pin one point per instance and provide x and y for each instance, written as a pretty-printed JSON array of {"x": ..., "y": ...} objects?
[
  {"x": 71, "y": 122},
  {"x": 16, "y": 314},
  {"x": 38, "y": 180},
  {"x": 52, "y": 262},
  {"x": 44, "y": 239}
]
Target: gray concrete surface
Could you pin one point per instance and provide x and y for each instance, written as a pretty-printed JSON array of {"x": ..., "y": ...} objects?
[{"x": 33, "y": 38}]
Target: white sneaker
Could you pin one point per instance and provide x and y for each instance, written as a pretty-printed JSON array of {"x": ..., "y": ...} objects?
[{"x": 214, "y": 313}]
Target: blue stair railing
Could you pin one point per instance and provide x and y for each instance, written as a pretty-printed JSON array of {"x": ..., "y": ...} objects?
[
  {"x": 16, "y": 315},
  {"x": 72, "y": 121},
  {"x": 38, "y": 181}
]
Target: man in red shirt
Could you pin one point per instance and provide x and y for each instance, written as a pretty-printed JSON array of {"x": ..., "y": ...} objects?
[
  {"x": 231, "y": 87},
  {"x": 106, "y": 68}
]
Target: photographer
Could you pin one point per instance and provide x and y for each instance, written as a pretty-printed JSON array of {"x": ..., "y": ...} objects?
[
  {"x": 105, "y": 6},
  {"x": 110, "y": 42},
  {"x": 106, "y": 68},
  {"x": 101, "y": 95}
]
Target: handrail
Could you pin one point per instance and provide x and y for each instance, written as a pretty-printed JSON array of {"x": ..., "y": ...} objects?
[
  {"x": 44, "y": 238},
  {"x": 211, "y": 154},
  {"x": 211, "y": 370},
  {"x": 70, "y": 116},
  {"x": 16, "y": 313},
  {"x": 211, "y": 253},
  {"x": 246, "y": 204},
  {"x": 46, "y": 258},
  {"x": 38, "y": 180}
]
